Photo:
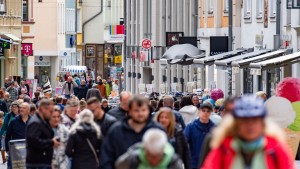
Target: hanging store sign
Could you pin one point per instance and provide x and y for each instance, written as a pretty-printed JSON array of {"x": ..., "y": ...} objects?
[
  {"x": 118, "y": 59},
  {"x": 266, "y": 14},
  {"x": 42, "y": 61},
  {"x": 172, "y": 38},
  {"x": 27, "y": 49},
  {"x": 5, "y": 45},
  {"x": 90, "y": 50},
  {"x": 218, "y": 45},
  {"x": 146, "y": 44}
]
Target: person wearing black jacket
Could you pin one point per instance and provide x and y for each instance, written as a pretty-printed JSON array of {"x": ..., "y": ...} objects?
[
  {"x": 82, "y": 90},
  {"x": 175, "y": 135},
  {"x": 105, "y": 121},
  {"x": 39, "y": 138},
  {"x": 83, "y": 144},
  {"x": 16, "y": 128},
  {"x": 123, "y": 134},
  {"x": 120, "y": 112}
]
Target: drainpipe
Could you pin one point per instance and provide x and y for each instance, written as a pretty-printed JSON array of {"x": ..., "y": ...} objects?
[
  {"x": 125, "y": 43},
  {"x": 93, "y": 17}
]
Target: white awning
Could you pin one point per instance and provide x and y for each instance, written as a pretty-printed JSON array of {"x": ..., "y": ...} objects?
[
  {"x": 266, "y": 56},
  {"x": 222, "y": 64},
  {"x": 206, "y": 60},
  {"x": 13, "y": 37},
  {"x": 276, "y": 61},
  {"x": 74, "y": 69}
]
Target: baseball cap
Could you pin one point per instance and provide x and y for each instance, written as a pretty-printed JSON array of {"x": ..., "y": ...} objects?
[{"x": 207, "y": 105}]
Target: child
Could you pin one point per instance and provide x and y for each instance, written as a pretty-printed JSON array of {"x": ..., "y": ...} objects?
[{"x": 2, "y": 139}]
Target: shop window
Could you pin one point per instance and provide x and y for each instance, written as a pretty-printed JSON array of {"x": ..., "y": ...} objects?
[
  {"x": 259, "y": 9},
  {"x": 247, "y": 10},
  {"x": 2, "y": 7}
]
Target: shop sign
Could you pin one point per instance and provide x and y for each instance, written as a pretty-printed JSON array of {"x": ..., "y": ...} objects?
[
  {"x": 1, "y": 51},
  {"x": 42, "y": 61},
  {"x": 218, "y": 45},
  {"x": 172, "y": 38},
  {"x": 118, "y": 59},
  {"x": 5, "y": 45},
  {"x": 27, "y": 49},
  {"x": 90, "y": 50}
]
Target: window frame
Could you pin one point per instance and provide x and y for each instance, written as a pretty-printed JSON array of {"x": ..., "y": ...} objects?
[
  {"x": 247, "y": 10},
  {"x": 259, "y": 9},
  {"x": 210, "y": 7},
  {"x": 226, "y": 6},
  {"x": 27, "y": 11},
  {"x": 4, "y": 5},
  {"x": 272, "y": 9}
]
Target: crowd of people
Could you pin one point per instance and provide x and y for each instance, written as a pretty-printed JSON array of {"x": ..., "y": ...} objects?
[{"x": 79, "y": 130}]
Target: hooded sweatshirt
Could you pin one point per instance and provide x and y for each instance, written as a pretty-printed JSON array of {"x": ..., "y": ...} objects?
[
  {"x": 189, "y": 113},
  {"x": 136, "y": 158}
]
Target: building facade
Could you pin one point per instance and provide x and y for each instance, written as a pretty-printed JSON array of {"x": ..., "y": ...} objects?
[
  {"x": 10, "y": 39},
  {"x": 152, "y": 19}
]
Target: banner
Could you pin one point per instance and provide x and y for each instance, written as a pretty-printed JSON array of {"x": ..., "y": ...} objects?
[
  {"x": 30, "y": 83},
  {"x": 27, "y": 49},
  {"x": 17, "y": 151}
]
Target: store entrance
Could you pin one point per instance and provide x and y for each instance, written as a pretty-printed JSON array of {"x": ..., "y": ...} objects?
[{"x": 42, "y": 73}]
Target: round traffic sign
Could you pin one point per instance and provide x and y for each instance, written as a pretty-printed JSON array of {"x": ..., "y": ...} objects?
[{"x": 146, "y": 43}]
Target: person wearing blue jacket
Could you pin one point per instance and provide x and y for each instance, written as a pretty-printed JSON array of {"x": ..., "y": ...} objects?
[
  {"x": 196, "y": 131},
  {"x": 127, "y": 132}
]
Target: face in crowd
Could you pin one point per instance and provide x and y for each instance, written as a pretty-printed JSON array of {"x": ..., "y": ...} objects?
[
  {"x": 139, "y": 112},
  {"x": 204, "y": 114}
]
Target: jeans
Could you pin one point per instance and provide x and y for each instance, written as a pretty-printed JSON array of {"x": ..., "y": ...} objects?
[
  {"x": 38, "y": 167},
  {"x": 9, "y": 166}
]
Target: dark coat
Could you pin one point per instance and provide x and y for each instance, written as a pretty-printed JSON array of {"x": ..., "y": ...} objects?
[
  {"x": 93, "y": 92},
  {"x": 119, "y": 138},
  {"x": 195, "y": 133},
  {"x": 107, "y": 109},
  {"x": 118, "y": 113},
  {"x": 15, "y": 130},
  {"x": 3, "y": 106},
  {"x": 79, "y": 150},
  {"x": 181, "y": 147},
  {"x": 81, "y": 92},
  {"x": 39, "y": 144},
  {"x": 105, "y": 123}
]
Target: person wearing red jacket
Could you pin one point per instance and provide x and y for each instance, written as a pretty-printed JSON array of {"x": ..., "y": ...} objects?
[{"x": 248, "y": 140}]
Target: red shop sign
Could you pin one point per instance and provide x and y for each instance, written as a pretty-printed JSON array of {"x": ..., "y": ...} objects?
[{"x": 27, "y": 49}]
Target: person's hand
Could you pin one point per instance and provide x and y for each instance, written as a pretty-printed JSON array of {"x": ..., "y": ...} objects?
[{"x": 56, "y": 143}]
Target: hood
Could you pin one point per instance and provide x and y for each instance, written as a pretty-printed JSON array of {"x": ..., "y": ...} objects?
[
  {"x": 188, "y": 109},
  {"x": 85, "y": 129},
  {"x": 226, "y": 127},
  {"x": 168, "y": 154}
]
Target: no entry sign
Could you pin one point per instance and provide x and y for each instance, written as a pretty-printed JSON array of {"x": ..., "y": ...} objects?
[{"x": 146, "y": 43}]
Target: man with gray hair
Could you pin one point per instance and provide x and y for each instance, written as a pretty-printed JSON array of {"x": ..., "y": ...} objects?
[
  {"x": 70, "y": 113},
  {"x": 168, "y": 101},
  {"x": 94, "y": 92},
  {"x": 154, "y": 152},
  {"x": 16, "y": 128},
  {"x": 121, "y": 111}
]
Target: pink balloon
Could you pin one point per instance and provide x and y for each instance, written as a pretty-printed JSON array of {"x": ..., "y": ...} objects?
[
  {"x": 289, "y": 88},
  {"x": 217, "y": 94}
]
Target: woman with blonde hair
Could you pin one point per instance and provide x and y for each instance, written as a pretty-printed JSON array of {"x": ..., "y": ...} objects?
[
  {"x": 86, "y": 133},
  {"x": 166, "y": 118}
]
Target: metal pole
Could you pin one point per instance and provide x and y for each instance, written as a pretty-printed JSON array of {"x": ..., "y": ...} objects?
[
  {"x": 230, "y": 39},
  {"x": 230, "y": 25},
  {"x": 125, "y": 41},
  {"x": 76, "y": 17},
  {"x": 278, "y": 11}
]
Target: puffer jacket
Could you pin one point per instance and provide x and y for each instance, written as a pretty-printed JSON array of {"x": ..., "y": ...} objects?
[{"x": 134, "y": 158}]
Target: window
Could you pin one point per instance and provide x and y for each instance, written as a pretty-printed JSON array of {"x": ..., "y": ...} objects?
[
  {"x": 259, "y": 9},
  {"x": 272, "y": 8},
  {"x": 247, "y": 9},
  {"x": 2, "y": 7},
  {"x": 226, "y": 6},
  {"x": 210, "y": 6},
  {"x": 25, "y": 10},
  {"x": 289, "y": 4},
  {"x": 78, "y": 20}
]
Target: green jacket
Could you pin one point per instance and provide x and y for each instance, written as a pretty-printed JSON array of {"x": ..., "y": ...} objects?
[
  {"x": 107, "y": 89},
  {"x": 135, "y": 159}
]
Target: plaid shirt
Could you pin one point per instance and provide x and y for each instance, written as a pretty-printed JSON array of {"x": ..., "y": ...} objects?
[{"x": 14, "y": 94}]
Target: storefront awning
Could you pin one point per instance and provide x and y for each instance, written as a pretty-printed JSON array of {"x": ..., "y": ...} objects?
[
  {"x": 277, "y": 62},
  {"x": 74, "y": 69},
  {"x": 223, "y": 64},
  {"x": 209, "y": 60},
  {"x": 13, "y": 37},
  {"x": 246, "y": 62}
]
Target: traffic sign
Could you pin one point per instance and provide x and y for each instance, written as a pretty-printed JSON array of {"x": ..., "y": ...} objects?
[{"x": 146, "y": 43}]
